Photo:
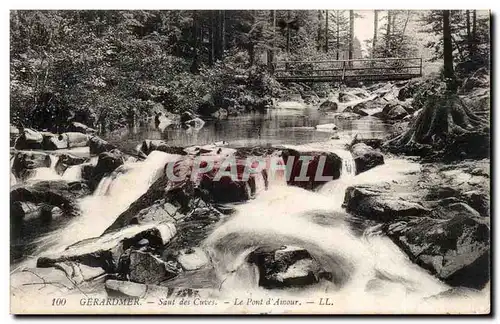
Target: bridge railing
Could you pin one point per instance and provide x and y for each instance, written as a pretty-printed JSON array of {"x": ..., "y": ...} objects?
[{"x": 355, "y": 68}]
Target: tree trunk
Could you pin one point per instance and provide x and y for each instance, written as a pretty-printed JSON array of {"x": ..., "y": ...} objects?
[
  {"x": 318, "y": 36},
  {"x": 351, "y": 33},
  {"x": 388, "y": 32},
  {"x": 375, "y": 29},
  {"x": 270, "y": 61},
  {"x": 288, "y": 31},
  {"x": 223, "y": 32},
  {"x": 474, "y": 39},
  {"x": 338, "y": 34},
  {"x": 447, "y": 47},
  {"x": 326, "y": 31},
  {"x": 196, "y": 27},
  {"x": 211, "y": 38}
]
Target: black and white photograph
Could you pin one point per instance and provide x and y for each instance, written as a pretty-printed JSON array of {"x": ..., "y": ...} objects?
[{"x": 226, "y": 161}]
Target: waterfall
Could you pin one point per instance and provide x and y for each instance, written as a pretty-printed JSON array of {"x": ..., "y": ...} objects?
[
  {"x": 348, "y": 165},
  {"x": 287, "y": 215},
  {"x": 73, "y": 173},
  {"x": 48, "y": 173},
  {"x": 112, "y": 197}
]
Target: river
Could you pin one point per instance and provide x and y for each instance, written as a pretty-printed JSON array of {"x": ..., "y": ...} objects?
[{"x": 370, "y": 272}]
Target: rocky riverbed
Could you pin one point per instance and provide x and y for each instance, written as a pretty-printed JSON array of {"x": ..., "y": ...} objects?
[{"x": 110, "y": 223}]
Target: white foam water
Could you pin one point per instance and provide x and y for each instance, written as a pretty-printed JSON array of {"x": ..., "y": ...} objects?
[{"x": 112, "y": 196}]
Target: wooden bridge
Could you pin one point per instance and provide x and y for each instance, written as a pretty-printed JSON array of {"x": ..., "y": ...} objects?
[{"x": 376, "y": 69}]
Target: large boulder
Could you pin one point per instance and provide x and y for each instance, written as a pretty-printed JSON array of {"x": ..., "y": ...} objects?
[
  {"x": 24, "y": 162},
  {"x": 133, "y": 289},
  {"x": 456, "y": 250},
  {"x": 370, "y": 107},
  {"x": 409, "y": 89},
  {"x": 107, "y": 163},
  {"x": 29, "y": 139},
  {"x": 54, "y": 142},
  {"x": 66, "y": 160},
  {"x": 186, "y": 116},
  {"x": 105, "y": 251},
  {"x": 365, "y": 157},
  {"x": 32, "y": 205},
  {"x": 375, "y": 203},
  {"x": 75, "y": 139},
  {"x": 289, "y": 266},
  {"x": 81, "y": 128},
  {"x": 144, "y": 267},
  {"x": 332, "y": 165},
  {"x": 97, "y": 145},
  {"x": 346, "y": 97},
  {"x": 149, "y": 146},
  {"x": 328, "y": 105},
  {"x": 394, "y": 111}
]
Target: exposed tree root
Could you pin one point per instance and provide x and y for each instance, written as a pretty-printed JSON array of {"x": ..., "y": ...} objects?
[{"x": 444, "y": 120}]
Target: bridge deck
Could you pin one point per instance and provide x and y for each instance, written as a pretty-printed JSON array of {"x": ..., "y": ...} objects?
[{"x": 380, "y": 69}]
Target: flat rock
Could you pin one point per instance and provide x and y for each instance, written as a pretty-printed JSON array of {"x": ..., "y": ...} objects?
[
  {"x": 365, "y": 157},
  {"x": 105, "y": 251},
  {"x": 456, "y": 250},
  {"x": 377, "y": 204}
]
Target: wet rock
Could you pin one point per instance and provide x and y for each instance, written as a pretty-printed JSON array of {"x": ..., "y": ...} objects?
[
  {"x": 370, "y": 107},
  {"x": 25, "y": 161},
  {"x": 394, "y": 111},
  {"x": 455, "y": 250},
  {"x": 331, "y": 167},
  {"x": 79, "y": 273},
  {"x": 53, "y": 141},
  {"x": 289, "y": 266},
  {"x": 409, "y": 90},
  {"x": 144, "y": 267},
  {"x": 66, "y": 160},
  {"x": 186, "y": 116},
  {"x": 107, "y": 163},
  {"x": 42, "y": 202},
  {"x": 81, "y": 128},
  {"x": 149, "y": 146},
  {"x": 226, "y": 189},
  {"x": 105, "y": 251},
  {"x": 375, "y": 143},
  {"x": 29, "y": 139},
  {"x": 478, "y": 200},
  {"x": 346, "y": 97},
  {"x": 455, "y": 208},
  {"x": 97, "y": 145},
  {"x": 328, "y": 105},
  {"x": 133, "y": 289},
  {"x": 375, "y": 203},
  {"x": 75, "y": 139},
  {"x": 365, "y": 157},
  {"x": 162, "y": 202},
  {"x": 192, "y": 258}
]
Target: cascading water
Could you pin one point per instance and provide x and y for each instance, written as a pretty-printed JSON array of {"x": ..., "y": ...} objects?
[
  {"x": 112, "y": 196},
  {"x": 370, "y": 273}
]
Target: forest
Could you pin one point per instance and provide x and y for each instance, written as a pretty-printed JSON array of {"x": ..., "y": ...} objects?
[{"x": 107, "y": 69}]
